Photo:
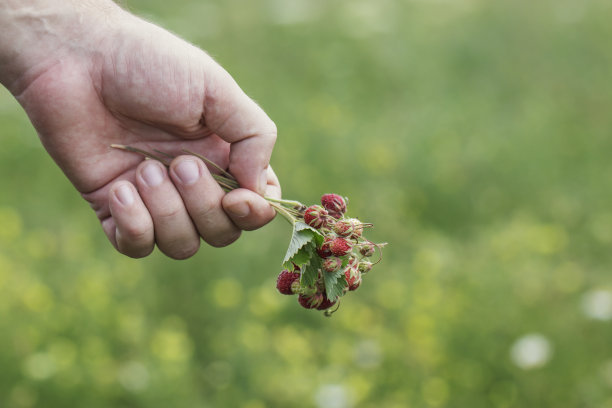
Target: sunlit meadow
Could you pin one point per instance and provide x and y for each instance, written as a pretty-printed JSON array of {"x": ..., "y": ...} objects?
[{"x": 475, "y": 135}]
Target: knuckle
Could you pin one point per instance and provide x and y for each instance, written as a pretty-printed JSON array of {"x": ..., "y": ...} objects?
[
  {"x": 169, "y": 214},
  {"x": 270, "y": 135},
  {"x": 207, "y": 209}
]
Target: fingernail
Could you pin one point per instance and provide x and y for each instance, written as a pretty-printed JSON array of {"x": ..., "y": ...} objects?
[
  {"x": 124, "y": 195},
  {"x": 240, "y": 209},
  {"x": 152, "y": 174},
  {"x": 187, "y": 171},
  {"x": 263, "y": 181}
]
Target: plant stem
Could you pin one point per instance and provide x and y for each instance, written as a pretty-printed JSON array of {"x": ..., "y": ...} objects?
[
  {"x": 294, "y": 204},
  {"x": 283, "y": 211}
]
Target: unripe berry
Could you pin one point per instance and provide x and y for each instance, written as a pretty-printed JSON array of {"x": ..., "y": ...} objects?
[
  {"x": 334, "y": 204},
  {"x": 357, "y": 228},
  {"x": 340, "y": 246},
  {"x": 353, "y": 278},
  {"x": 315, "y": 216},
  {"x": 296, "y": 287},
  {"x": 343, "y": 228},
  {"x": 332, "y": 264},
  {"x": 367, "y": 250},
  {"x": 365, "y": 266}
]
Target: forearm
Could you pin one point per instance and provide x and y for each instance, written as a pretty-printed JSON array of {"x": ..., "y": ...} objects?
[{"x": 36, "y": 33}]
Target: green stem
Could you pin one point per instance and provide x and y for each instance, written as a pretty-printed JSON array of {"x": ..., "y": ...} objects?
[
  {"x": 295, "y": 204},
  {"x": 282, "y": 211}
]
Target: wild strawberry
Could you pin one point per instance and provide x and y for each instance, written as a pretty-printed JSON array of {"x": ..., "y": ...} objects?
[
  {"x": 285, "y": 282},
  {"x": 353, "y": 278},
  {"x": 367, "y": 250},
  {"x": 325, "y": 304},
  {"x": 357, "y": 228},
  {"x": 334, "y": 204},
  {"x": 365, "y": 266},
  {"x": 340, "y": 246},
  {"x": 332, "y": 264},
  {"x": 315, "y": 216},
  {"x": 312, "y": 301},
  {"x": 324, "y": 250},
  {"x": 343, "y": 228}
]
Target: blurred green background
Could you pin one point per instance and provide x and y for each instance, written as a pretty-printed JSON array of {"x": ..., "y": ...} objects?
[{"x": 474, "y": 134}]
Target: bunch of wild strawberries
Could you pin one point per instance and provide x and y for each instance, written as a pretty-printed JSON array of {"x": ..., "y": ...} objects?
[
  {"x": 343, "y": 248},
  {"x": 328, "y": 252}
]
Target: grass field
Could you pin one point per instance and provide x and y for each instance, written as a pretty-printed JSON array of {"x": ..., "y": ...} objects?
[{"x": 475, "y": 135}]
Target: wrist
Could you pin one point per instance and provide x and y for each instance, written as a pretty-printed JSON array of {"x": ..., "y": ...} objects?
[{"x": 35, "y": 34}]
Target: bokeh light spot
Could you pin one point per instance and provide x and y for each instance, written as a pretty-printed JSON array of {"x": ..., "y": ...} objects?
[
  {"x": 531, "y": 351},
  {"x": 40, "y": 366},
  {"x": 227, "y": 293},
  {"x": 597, "y": 304}
]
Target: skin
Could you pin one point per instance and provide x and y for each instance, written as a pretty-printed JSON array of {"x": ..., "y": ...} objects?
[{"x": 90, "y": 74}]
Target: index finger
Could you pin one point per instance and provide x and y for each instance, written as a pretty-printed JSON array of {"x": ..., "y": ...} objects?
[{"x": 237, "y": 119}]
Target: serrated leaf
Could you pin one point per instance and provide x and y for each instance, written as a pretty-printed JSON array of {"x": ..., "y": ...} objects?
[
  {"x": 334, "y": 283},
  {"x": 302, "y": 251},
  {"x": 300, "y": 237},
  {"x": 300, "y": 225},
  {"x": 318, "y": 237},
  {"x": 301, "y": 257}
]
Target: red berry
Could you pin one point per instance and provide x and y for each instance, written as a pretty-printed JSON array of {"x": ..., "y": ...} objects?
[
  {"x": 332, "y": 264},
  {"x": 334, "y": 204},
  {"x": 310, "y": 302},
  {"x": 340, "y": 246},
  {"x": 285, "y": 282},
  {"x": 353, "y": 278},
  {"x": 325, "y": 304},
  {"x": 315, "y": 216},
  {"x": 324, "y": 250}
]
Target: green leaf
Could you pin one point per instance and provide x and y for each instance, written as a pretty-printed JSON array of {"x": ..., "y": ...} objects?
[
  {"x": 334, "y": 283},
  {"x": 301, "y": 257},
  {"x": 310, "y": 270},
  {"x": 300, "y": 225},
  {"x": 302, "y": 251},
  {"x": 302, "y": 235},
  {"x": 304, "y": 240}
]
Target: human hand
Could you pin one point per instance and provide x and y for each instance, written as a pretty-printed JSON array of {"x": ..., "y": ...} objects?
[{"x": 93, "y": 76}]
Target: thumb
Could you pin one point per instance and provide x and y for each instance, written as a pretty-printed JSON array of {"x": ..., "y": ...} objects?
[{"x": 237, "y": 119}]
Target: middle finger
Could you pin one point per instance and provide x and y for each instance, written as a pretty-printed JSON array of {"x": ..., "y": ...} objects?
[{"x": 175, "y": 233}]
